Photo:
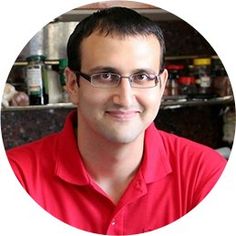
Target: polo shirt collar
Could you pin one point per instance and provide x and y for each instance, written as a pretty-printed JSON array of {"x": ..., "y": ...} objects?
[
  {"x": 156, "y": 163},
  {"x": 70, "y": 167}
]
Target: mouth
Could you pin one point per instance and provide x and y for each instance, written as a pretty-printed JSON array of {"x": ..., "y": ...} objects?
[{"x": 123, "y": 115}]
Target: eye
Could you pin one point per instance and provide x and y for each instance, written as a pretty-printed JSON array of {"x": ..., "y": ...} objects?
[
  {"x": 105, "y": 76},
  {"x": 142, "y": 77}
]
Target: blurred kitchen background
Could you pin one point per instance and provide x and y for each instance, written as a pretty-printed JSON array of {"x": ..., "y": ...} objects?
[{"x": 198, "y": 101}]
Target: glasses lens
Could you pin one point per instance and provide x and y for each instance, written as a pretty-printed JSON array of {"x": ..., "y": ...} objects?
[
  {"x": 105, "y": 80},
  {"x": 143, "y": 80}
]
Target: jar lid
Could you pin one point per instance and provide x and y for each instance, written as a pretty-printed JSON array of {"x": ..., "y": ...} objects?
[
  {"x": 202, "y": 61},
  {"x": 36, "y": 58},
  {"x": 186, "y": 80}
]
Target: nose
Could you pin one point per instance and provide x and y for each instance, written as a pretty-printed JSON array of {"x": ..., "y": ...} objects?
[{"x": 123, "y": 95}]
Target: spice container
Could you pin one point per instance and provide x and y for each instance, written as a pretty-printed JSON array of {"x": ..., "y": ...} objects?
[
  {"x": 220, "y": 81},
  {"x": 63, "y": 63},
  {"x": 202, "y": 68},
  {"x": 54, "y": 86},
  {"x": 172, "y": 86},
  {"x": 187, "y": 85},
  {"x": 36, "y": 80}
]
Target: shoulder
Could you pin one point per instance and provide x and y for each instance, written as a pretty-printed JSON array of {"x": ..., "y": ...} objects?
[
  {"x": 30, "y": 159},
  {"x": 30, "y": 150},
  {"x": 178, "y": 149},
  {"x": 193, "y": 164},
  {"x": 185, "y": 149},
  {"x": 45, "y": 145},
  {"x": 188, "y": 158}
]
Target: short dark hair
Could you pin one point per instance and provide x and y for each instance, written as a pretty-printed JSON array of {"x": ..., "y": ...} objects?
[{"x": 116, "y": 20}]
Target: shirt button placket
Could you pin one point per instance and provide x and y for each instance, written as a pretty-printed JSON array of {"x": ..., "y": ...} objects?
[
  {"x": 113, "y": 223},
  {"x": 112, "y": 228},
  {"x": 116, "y": 225}
]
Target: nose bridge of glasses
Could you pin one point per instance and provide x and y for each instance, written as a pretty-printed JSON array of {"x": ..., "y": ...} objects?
[{"x": 128, "y": 77}]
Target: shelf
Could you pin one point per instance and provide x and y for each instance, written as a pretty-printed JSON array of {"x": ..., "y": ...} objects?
[
  {"x": 47, "y": 62},
  {"x": 197, "y": 102},
  {"x": 167, "y": 58},
  {"x": 39, "y": 107},
  {"x": 169, "y": 104}
]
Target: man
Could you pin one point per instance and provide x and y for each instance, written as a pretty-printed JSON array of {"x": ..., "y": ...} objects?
[{"x": 110, "y": 171}]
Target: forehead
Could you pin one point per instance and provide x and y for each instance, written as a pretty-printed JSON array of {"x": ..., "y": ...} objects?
[{"x": 116, "y": 51}]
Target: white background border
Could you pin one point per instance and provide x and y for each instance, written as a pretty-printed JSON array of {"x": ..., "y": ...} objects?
[{"x": 19, "y": 21}]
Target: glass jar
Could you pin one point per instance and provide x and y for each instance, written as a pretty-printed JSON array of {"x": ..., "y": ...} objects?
[
  {"x": 63, "y": 63},
  {"x": 220, "y": 80},
  {"x": 36, "y": 80},
  {"x": 172, "y": 86},
  {"x": 202, "y": 71},
  {"x": 187, "y": 85},
  {"x": 54, "y": 85}
]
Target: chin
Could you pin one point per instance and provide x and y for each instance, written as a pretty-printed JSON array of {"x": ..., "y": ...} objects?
[{"x": 125, "y": 138}]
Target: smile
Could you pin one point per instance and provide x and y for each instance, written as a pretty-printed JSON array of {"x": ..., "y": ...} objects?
[{"x": 123, "y": 115}]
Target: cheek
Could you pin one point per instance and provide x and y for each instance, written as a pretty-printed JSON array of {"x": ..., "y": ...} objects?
[
  {"x": 151, "y": 100},
  {"x": 91, "y": 101},
  {"x": 152, "y": 105}
]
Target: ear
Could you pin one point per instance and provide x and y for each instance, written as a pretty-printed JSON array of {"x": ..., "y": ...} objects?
[
  {"x": 71, "y": 86},
  {"x": 163, "y": 78}
]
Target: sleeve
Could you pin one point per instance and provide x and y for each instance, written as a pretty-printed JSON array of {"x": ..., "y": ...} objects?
[
  {"x": 207, "y": 173},
  {"x": 24, "y": 165},
  {"x": 19, "y": 173}
]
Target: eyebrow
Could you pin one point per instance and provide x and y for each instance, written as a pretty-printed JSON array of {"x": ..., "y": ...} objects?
[
  {"x": 148, "y": 70},
  {"x": 99, "y": 69}
]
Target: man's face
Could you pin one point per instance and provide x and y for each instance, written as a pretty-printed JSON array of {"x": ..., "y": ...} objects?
[{"x": 119, "y": 114}]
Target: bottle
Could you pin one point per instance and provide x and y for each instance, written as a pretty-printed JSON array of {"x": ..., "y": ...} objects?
[
  {"x": 220, "y": 80},
  {"x": 54, "y": 85},
  {"x": 36, "y": 80},
  {"x": 172, "y": 87},
  {"x": 202, "y": 68},
  {"x": 63, "y": 62},
  {"x": 187, "y": 85}
]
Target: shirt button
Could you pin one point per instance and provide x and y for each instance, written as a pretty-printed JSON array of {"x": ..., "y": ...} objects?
[{"x": 113, "y": 222}]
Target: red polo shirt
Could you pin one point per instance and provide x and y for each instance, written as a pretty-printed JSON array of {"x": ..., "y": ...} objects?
[{"x": 175, "y": 175}]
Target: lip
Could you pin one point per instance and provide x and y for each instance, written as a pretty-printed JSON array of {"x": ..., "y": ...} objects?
[{"x": 123, "y": 115}]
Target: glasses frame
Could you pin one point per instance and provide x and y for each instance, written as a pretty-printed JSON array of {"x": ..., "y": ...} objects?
[{"x": 89, "y": 78}]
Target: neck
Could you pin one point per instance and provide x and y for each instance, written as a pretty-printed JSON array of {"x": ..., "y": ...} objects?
[{"x": 111, "y": 165}]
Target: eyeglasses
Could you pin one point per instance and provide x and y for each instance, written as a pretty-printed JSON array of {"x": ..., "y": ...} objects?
[{"x": 111, "y": 80}]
